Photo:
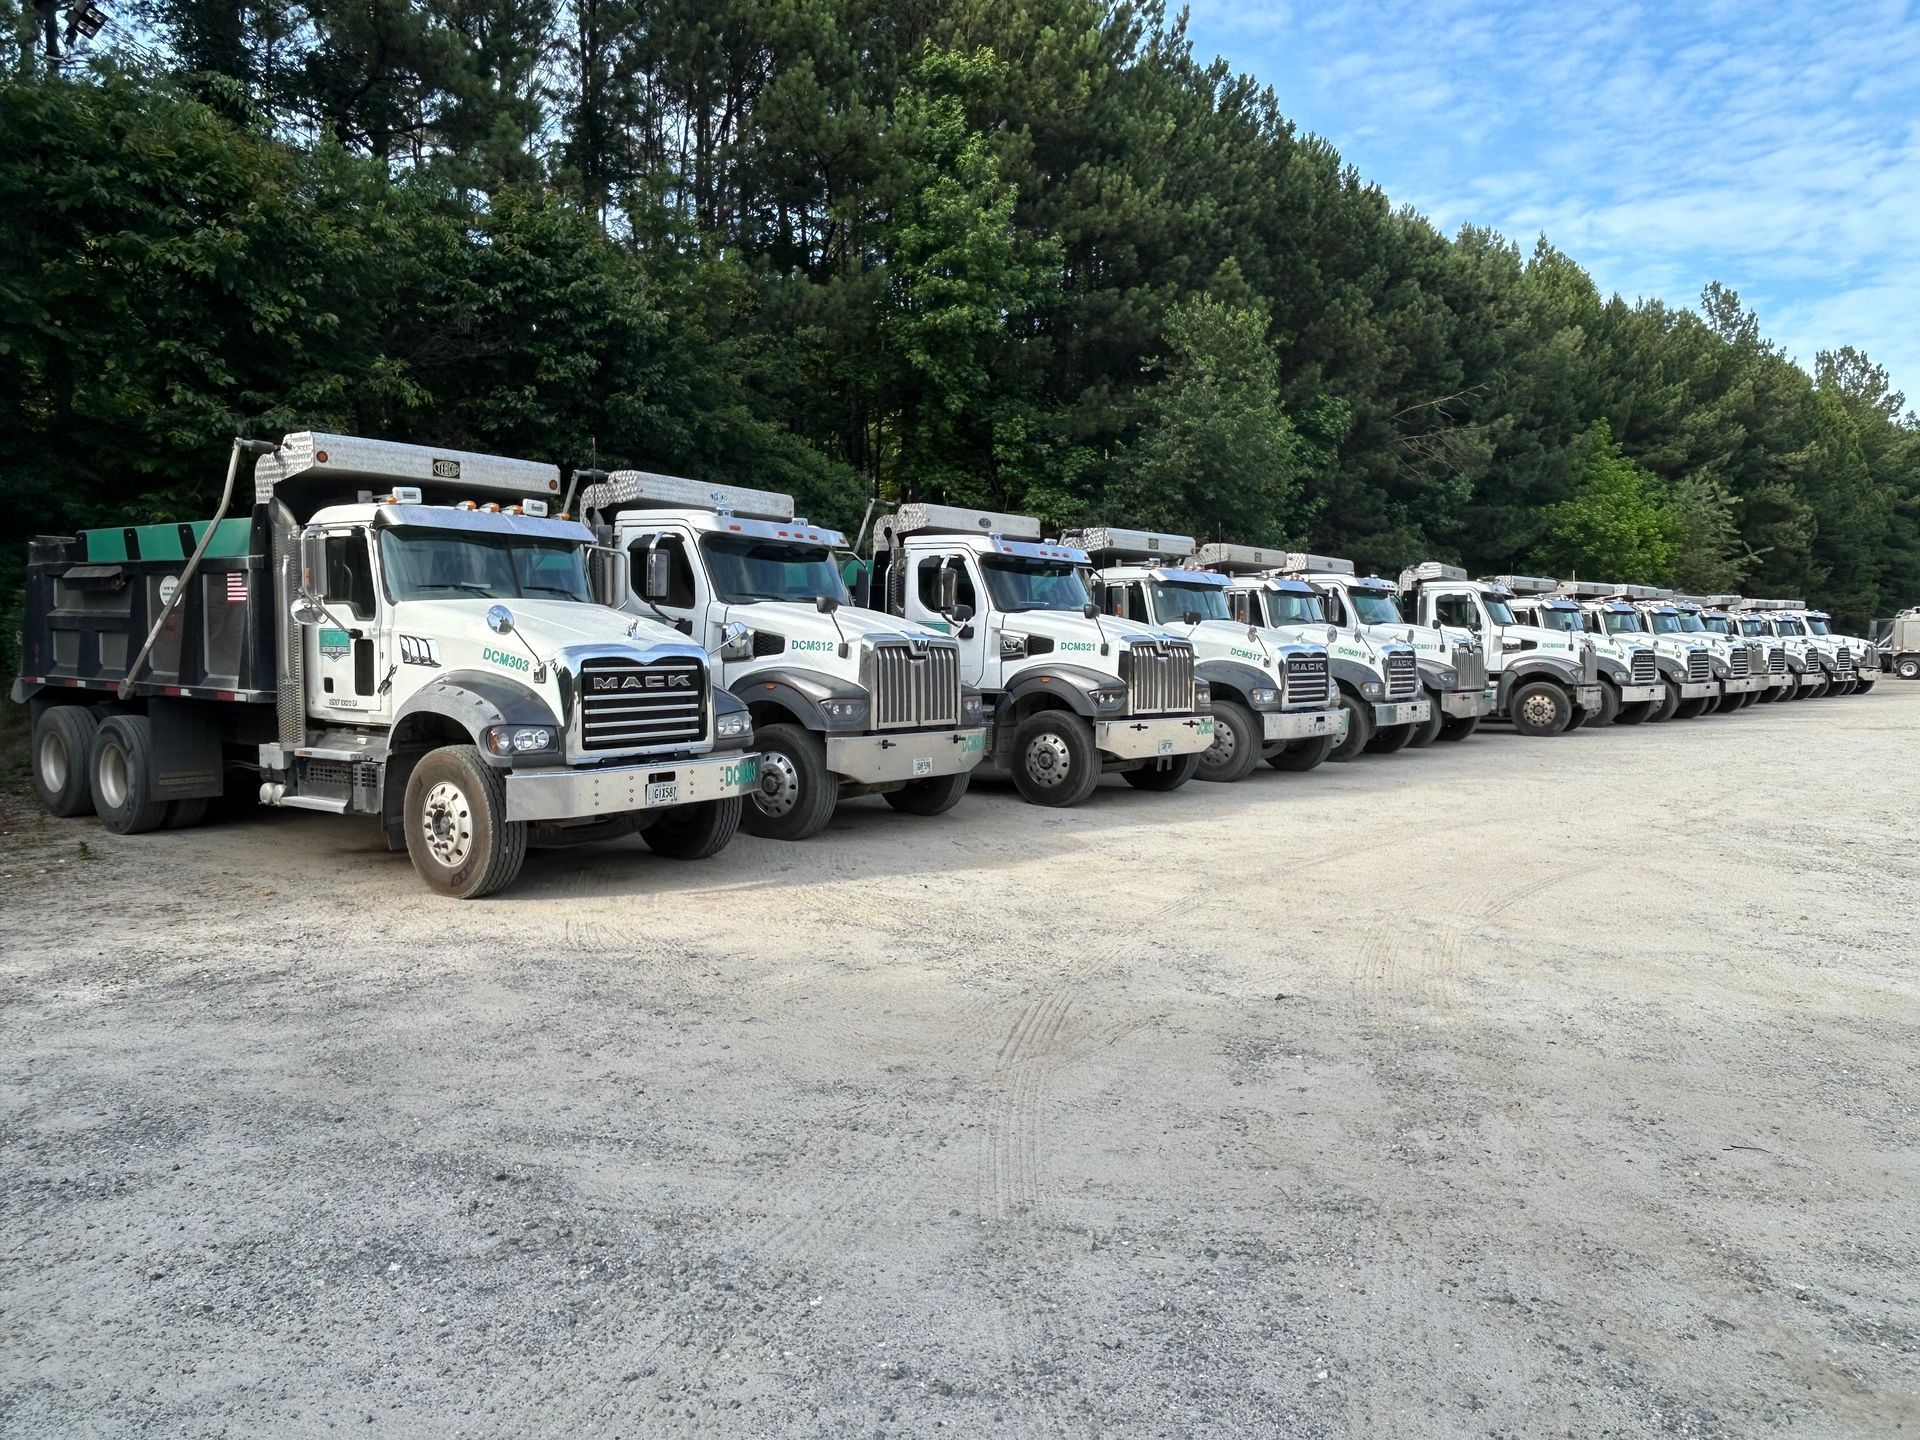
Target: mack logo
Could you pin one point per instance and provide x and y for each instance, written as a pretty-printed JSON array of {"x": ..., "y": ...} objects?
[
  {"x": 446, "y": 469},
  {"x": 647, "y": 680}
]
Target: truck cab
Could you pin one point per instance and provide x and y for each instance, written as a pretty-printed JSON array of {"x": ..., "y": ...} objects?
[
  {"x": 1271, "y": 693},
  {"x": 1719, "y": 621},
  {"x": 1630, "y": 688},
  {"x": 1855, "y": 664},
  {"x": 1782, "y": 679},
  {"x": 1682, "y": 638},
  {"x": 1546, "y": 681},
  {"x": 1808, "y": 667},
  {"x": 1375, "y": 663},
  {"x": 1070, "y": 695},
  {"x": 1741, "y": 679},
  {"x": 845, "y": 701}
]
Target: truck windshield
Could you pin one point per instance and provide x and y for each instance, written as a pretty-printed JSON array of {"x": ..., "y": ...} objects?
[
  {"x": 1497, "y": 610},
  {"x": 423, "y": 564},
  {"x": 1790, "y": 627},
  {"x": 1818, "y": 627},
  {"x": 1172, "y": 602},
  {"x": 1664, "y": 624},
  {"x": 1018, "y": 585},
  {"x": 1287, "y": 608},
  {"x": 745, "y": 569},
  {"x": 1692, "y": 624},
  {"x": 1753, "y": 627},
  {"x": 1373, "y": 607},
  {"x": 1618, "y": 624},
  {"x": 1718, "y": 624},
  {"x": 1568, "y": 620}
]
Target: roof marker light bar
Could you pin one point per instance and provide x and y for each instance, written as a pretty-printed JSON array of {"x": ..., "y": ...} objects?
[
  {"x": 1430, "y": 570},
  {"x": 390, "y": 464},
  {"x": 1588, "y": 589},
  {"x": 642, "y": 489},
  {"x": 1771, "y": 605},
  {"x": 1131, "y": 544},
  {"x": 918, "y": 519},
  {"x": 1711, "y": 602},
  {"x": 1523, "y": 584}
]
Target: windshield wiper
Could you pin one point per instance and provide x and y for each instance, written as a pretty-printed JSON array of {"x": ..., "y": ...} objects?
[
  {"x": 483, "y": 591},
  {"x": 552, "y": 590}
]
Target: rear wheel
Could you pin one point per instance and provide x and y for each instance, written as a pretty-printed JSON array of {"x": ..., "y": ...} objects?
[
  {"x": 1165, "y": 774},
  {"x": 458, "y": 836},
  {"x": 1907, "y": 667},
  {"x": 1359, "y": 727},
  {"x": 929, "y": 797},
  {"x": 1236, "y": 743},
  {"x": 1540, "y": 707},
  {"x": 1302, "y": 754},
  {"x": 797, "y": 792},
  {"x": 122, "y": 776},
  {"x": 1054, "y": 759},
  {"x": 62, "y": 752},
  {"x": 1428, "y": 731},
  {"x": 1459, "y": 727},
  {"x": 696, "y": 832},
  {"x": 1390, "y": 738}
]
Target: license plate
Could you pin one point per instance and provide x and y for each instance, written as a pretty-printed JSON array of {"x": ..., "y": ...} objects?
[
  {"x": 663, "y": 792},
  {"x": 923, "y": 765},
  {"x": 1166, "y": 747}
]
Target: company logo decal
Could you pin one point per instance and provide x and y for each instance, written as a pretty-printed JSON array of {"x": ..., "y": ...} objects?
[
  {"x": 646, "y": 680},
  {"x": 334, "y": 643},
  {"x": 446, "y": 469}
]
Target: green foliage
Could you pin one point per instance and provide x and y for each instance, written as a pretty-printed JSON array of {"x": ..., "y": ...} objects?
[{"x": 1616, "y": 525}]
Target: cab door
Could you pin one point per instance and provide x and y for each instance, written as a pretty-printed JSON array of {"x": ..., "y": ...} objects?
[
  {"x": 349, "y": 658},
  {"x": 979, "y": 659},
  {"x": 687, "y": 605}
]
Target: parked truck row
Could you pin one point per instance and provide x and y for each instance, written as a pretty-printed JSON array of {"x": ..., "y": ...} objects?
[{"x": 428, "y": 638}]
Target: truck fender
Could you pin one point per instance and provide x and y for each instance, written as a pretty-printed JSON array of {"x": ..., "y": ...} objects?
[
  {"x": 1071, "y": 683},
  {"x": 1671, "y": 669},
  {"x": 1525, "y": 667},
  {"x": 473, "y": 700},
  {"x": 1436, "y": 674},
  {"x": 1353, "y": 674},
  {"x": 1236, "y": 678},
  {"x": 799, "y": 691},
  {"x": 1611, "y": 669}
]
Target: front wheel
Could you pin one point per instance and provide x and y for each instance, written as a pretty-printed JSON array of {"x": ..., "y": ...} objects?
[
  {"x": 1842, "y": 687},
  {"x": 1236, "y": 743},
  {"x": 1359, "y": 727},
  {"x": 1862, "y": 687},
  {"x": 62, "y": 753},
  {"x": 1390, "y": 738},
  {"x": 1670, "y": 705},
  {"x": 1165, "y": 774},
  {"x": 797, "y": 792},
  {"x": 929, "y": 797},
  {"x": 1459, "y": 727},
  {"x": 1428, "y": 730},
  {"x": 458, "y": 836},
  {"x": 1609, "y": 708},
  {"x": 1540, "y": 707},
  {"x": 1819, "y": 686},
  {"x": 1634, "y": 714},
  {"x": 695, "y": 832},
  {"x": 1302, "y": 754},
  {"x": 1054, "y": 759},
  {"x": 1693, "y": 709}
]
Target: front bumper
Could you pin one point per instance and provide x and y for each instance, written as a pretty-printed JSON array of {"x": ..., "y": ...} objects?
[
  {"x": 562, "y": 794},
  {"x": 917, "y": 755},
  {"x": 1699, "y": 689},
  {"x": 1469, "y": 704},
  {"x": 1153, "y": 738},
  {"x": 1782, "y": 681},
  {"x": 1745, "y": 685},
  {"x": 1282, "y": 725},
  {"x": 1588, "y": 697},
  {"x": 1635, "y": 694},
  {"x": 1403, "y": 712}
]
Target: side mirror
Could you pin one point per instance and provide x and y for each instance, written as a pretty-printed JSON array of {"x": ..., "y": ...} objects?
[
  {"x": 960, "y": 614},
  {"x": 949, "y": 589},
  {"x": 313, "y": 564},
  {"x": 659, "y": 576},
  {"x": 826, "y": 604},
  {"x": 307, "y": 610},
  {"x": 1089, "y": 610},
  {"x": 500, "y": 619},
  {"x": 1192, "y": 617},
  {"x": 609, "y": 576},
  {"x": 733, "y": 635}
]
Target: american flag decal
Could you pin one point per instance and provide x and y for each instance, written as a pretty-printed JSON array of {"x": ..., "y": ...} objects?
[{"x": 236, "y": 588}]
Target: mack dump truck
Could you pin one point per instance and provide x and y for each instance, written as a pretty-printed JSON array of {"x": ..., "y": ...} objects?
[
  {"x": 1718, "y": 620},
  {"x": 1812, "y": 665},
  {"x": 1365, "y": 627},
  {"x": 1630, "y": 686},
  {"x": 1856, "y": 663},
  {"x": 458, "y": 669},
  {"x": 1272, "y": 696},
  {"x": 1546, "y": 681},
  {"x": 845, "y": 701},
  {"x": 1690, "y": 673},
  {"x": 1069, "y": 695},
  {"x": 1897, "y": 642}
]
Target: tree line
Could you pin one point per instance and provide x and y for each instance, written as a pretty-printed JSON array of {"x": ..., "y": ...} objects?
[{"x": 1036, "y": 255}]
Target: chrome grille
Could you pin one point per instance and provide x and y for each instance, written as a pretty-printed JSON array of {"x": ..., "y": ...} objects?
[
  {"x": 1307, "y": 683},
  {"x": 1698, "y": 667},
  {"x": 1756, "y": 659},
  {"x": 633, "y": 705},
  {"x": 1738, "y": 662},
  {"x": 1471, "y": 668},
  {"x": 1159, "y": 678},
  {"x": 1843, "y": 660},
  {"x": 1777, "y": 661},
  {"x": 1644, "y": 669},
  {"x": 914, "y": 688},
  {"x": 1403, "y": 675}
]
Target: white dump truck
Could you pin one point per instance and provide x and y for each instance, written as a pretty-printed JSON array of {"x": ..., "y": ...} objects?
[
  {"x": 1070, "y": 695},
  {"x": 1546, "y": 681},
  {"x": 1272, "y": 695},
  {"x": 1630, "y": 688},
  {"x": 1309, "y": 590},
  {"x": 1718, "y": 621},
  {"x": 845, "y": 701},
  {"x": 1856, "y": 663},
  {"x": 1783, "y": 681},
  {"x": 1810, "y": 666},
  {"x": 1897, "y": 642},
  {"x": 395, "y": 631},
  {"x": 1690, "y": 672}
]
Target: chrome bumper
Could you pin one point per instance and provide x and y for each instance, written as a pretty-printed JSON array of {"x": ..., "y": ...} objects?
[
  {"x": 562, "y": 794},
  {"x": 1406, "y": 712},
  {"x": 1155, "y": 738},
  {"x": 919, "y": 755},
  {"x": 1745, "y": 685},
  {"x": 1699, "y": 689},
  {"x": 1302, "y": 724},
  {"x": 1587, "y": 697},
  {"x": 1634, "y": 694},
  {"x": 1467, "y": 704},
  {"x": 1782, "y": 681}
]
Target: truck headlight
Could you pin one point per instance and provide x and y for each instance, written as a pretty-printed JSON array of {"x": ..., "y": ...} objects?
[
  {"x": 1012, "y": 647},
  {"x": 1263, "y": 696},
  {"x": 732, "y": 724},
  {"x": 1108, "y": 699},
  {"x": 1373, "y": 690},
  {"x": 1202, "y": 695},
  {"x": 973, "y": 709},
  {"x": 519, "y": 739},
  {"x": 844, "y": 714}
]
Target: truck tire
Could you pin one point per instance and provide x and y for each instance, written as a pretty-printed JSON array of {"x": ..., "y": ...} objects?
[
  {"x": 121, "y": 776},
  {"x": 1842, "y": 687},
  {"x": 1236, "y": 743},
  {"x": 929, "y": 797},
  {"x": 797, "y": 792},
  {"x": 1694, "y": 709},
  {"x": 1459, "y": 727},
  {"x": 1818, "y": 689},
  {"x": 1359, "y": 727},
  {"x": 1164, "y": 774},
  {"x": 696, "y": 832},
  {"x": 62, "y": 760},
  {"x": 1635, "y": 713},
  {"x": 1666, "y": 709},
  {"x": 185, "y": 814},
  {"x": 1609, "y": 707},
  {"x": 1390, "y": 738},
  {"x": 1054, "y": 760},
  {"x": 1428, "y": 731},
  {"x": 1540, "y": 707},
  {"x": 1302, "y": 754},
  {"x": 458, "y": 836},
  {"x": 1864, "y": 687},
  {"x": 1907, "y": 667}
]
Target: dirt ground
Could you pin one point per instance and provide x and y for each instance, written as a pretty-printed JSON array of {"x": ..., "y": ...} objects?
[{"x": 1512, "y": 1088}]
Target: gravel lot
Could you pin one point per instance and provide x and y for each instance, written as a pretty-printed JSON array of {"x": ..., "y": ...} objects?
[{"x": 1509, "y": 1088}]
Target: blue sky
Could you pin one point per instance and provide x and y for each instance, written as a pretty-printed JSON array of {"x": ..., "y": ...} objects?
[{"x": 1774, "y": 147}]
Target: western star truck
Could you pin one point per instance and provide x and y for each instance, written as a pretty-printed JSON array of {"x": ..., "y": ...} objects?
[
  {"x": 1630, "y": 688},
  {"x": 845, "y": 701},
  {"x": 456, "y": 668},
  {"x": 1897, "y": 642},
  {"x": 1376, "y": 668},
  {"x": 1070, "y": 695},
  {"x": 1272, "y": 696},
  {"x": 1546, "y": 681}
]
